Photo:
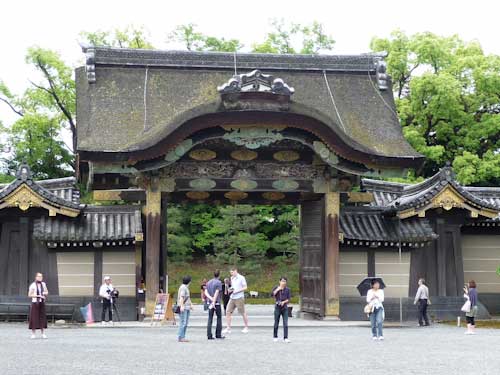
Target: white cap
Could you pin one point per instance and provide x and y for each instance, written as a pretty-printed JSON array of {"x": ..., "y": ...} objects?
[{"x": 107, "y": 278}]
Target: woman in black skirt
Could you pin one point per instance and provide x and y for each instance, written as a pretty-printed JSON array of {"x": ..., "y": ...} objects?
[{"x": 38, "y": 292}]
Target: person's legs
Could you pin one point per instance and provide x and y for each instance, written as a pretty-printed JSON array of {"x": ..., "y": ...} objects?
[
  {"x": 373, "y": 316},
  {"x": 188, "y": 312},
  {"x": 421, "y": 312},
  {"x": 284, "y": 312},
  {"x": 424, "y": 312},
  {"x": 181, "y": 333},
  {"x": 276, "y": 321},
  {"x": 230, "y": 309},
  {"x": 218, "y": 327},
  {"x": 103, "y": 312},
  {"x": 209, "y": 323},
  {"x": 110, "y": 307},
  {"x": 380, "y": 322},
  {"x": 242, "y": 311}
]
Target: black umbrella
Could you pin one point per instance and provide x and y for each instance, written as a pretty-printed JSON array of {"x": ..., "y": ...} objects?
[{"x": 366, "y": 285}]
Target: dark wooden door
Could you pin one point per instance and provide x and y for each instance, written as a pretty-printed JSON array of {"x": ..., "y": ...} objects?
[
  {"x": 312, "y": 257},
  {"x": 13, "y": 260}
]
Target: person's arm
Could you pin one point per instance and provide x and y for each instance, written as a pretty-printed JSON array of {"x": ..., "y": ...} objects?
[
  {"x": 283, "y": 303},
  {"x": 216, "y": 295},
  {"x": 207, "y": 295},
  {"x": 276, "y": 290},
  {"x": 418, "y": 295},
  {"x": 31, "y": 292},
  {"x": 381, "y": 297},
  {"x": 369, "y": 296},
  {"x": 181, "y": 301}
]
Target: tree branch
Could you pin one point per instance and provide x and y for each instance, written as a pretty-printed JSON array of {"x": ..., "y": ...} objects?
[
  {"x": 16, "y": 111},
  {"x": 58, "y": 100}
]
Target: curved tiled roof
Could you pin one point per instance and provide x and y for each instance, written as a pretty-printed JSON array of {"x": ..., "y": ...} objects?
[
  {"x": 365, "y": 224},
  {"x": 401, "y": 196},
  {"x": 24, "y": 177},
  {"x": 131, "y": 101},
  {"x": 98, "y": 223}
]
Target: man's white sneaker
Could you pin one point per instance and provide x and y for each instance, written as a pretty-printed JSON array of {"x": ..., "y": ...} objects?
[
  {"x": 44, "y": 336},
  {"x": 245, "y": 330},
  {"x": 226, "y": 330},
  {"x": 374, "y": 338},
  {"x": 287, "y": 341},
  {"x": 275, "y": 339},
  {"x": 381, "y": 338},
  {"x": 111, "y": 323},
  {"x": 33, "y": 337},
  {"x": 103, "y": 323}
]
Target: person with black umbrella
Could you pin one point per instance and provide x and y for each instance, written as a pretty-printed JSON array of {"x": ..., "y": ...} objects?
[{"x": 375, "y": 299}]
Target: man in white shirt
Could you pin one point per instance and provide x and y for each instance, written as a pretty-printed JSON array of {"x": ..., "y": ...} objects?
[
  {"x": 105, "y": 292},
  {"x": 422, "y": 299},
  {"x": 237, "y": 300}
]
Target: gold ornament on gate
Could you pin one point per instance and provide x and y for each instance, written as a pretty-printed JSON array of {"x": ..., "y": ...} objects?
[
  {"x": 202, "y": 154},
  {"x": 286, "y": 155},
  {"x": 273, "y": 196},
  {"x": 197, "y": 195},
  {"x": 236, "y": 195},
  {"x": 244, "y": 155}
]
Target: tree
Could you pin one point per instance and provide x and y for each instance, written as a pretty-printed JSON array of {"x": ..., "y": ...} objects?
[
  {"x": 129, "y": 37},
  {"x": 194, "y": 40},
  {"x": 284, "y": 39},
  {"x": 447, "y": 96},
  {"x": 43, "y": 110}
]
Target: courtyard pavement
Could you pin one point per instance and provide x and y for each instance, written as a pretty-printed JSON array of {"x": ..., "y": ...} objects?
[{"x": 314, "y": 350}]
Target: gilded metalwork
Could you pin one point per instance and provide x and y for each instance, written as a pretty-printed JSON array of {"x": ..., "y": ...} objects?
[
  {"x": 286, "y": 155},
  {"x": 236, "y": 195},
  {"x": 202, "y": 154},
  {"x": 244, "y": 184},
  {"x": 244, "y": 155},
  {"x": 25, "y": 198},
  {"x": 285, "y": 185},
  {"x": 253, "y": 137},
  {"x": 273, "y": 195},
  {"x": 202, "y": 184},
  {"x": 197, "y": 195}
]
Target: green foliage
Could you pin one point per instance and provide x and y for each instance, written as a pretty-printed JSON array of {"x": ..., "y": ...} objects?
[
  {"x": 35, "y": 140},
  {"x": 447, "y": 96},
  {"x": 129, "y": 37},
  {"x": 242, "y": 234},
  {"x": 295, "y": 38},
  {"x": 193, "y": 40}
]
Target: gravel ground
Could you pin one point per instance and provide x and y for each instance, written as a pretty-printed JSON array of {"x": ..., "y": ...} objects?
[{"x": 314, "y": 350}]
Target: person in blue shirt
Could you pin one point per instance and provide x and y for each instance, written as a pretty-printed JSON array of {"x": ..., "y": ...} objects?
[
  {"x": 282, "y": 296},
  {"x": 213, "y": 294}
]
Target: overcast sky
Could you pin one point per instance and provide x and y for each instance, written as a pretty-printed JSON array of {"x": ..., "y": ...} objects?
[{"x": 56, "y": 24}]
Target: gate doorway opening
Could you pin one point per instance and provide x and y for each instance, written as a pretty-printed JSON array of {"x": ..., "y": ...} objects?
[{"x": 262, "y": 241}]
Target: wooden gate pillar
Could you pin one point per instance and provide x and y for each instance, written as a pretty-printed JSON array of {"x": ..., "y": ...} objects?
[
  {"x": 332, "y": 256},
  {"x": 152, "y": 212}
]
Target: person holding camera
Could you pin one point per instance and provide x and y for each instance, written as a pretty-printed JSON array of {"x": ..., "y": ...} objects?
[
  {"x": 282, "y": 296},
  {"x": 106, "y": 293}
]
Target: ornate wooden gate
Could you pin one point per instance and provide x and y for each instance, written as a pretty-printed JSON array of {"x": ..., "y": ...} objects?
[{"x": 312, "y": 257}]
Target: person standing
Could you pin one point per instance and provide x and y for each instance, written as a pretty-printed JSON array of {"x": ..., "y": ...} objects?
[
  {"x": 237, "y": 299},
  {"x": 105, "y": 292},
  {"x": 38, "y": 293},
  {"x": 422, "y": 301},
  {"x": 470, "y": 291},
  {"x": 282, "y": 297},
  {"x": 184, "y": 303},
  {"x": 226, "y": 293},
  {"x": 375, "y": 298},
  {"x": 203, "y": 296},
  {"x": 213, "y": 295}
]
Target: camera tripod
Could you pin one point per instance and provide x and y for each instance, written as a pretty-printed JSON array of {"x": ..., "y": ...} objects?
[{"x": 115, "y": 309}]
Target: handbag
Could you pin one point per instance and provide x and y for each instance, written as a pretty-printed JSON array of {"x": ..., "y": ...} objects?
[
  {"x": 176, "y": 308},
  {"x": 368, "y": 309},
  {"x": 466, "y": 307}
]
